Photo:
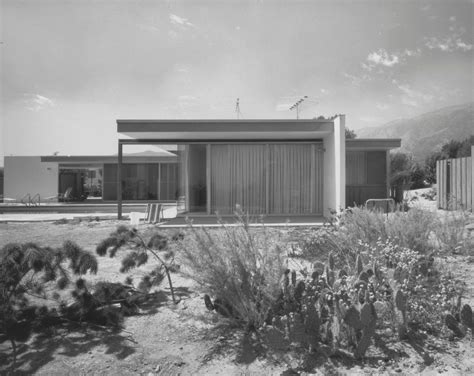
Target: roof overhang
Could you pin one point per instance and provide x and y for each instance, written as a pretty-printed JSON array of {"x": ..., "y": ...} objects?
[
  {"x": 225, "y": 129},
  {"x": 373, "y": 143},
  {"x": 98, "y": 160}
]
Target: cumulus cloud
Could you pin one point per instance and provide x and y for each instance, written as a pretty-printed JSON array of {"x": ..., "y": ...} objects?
[
  {"x": 36, "y": 102},
  {"x": 447, "y": 44},
  {"x": 180, "y": 21},
  {"x": 382, "y": 57}
]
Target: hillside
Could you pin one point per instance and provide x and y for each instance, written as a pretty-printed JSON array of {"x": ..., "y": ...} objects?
[{"x": 427, "y": 132}]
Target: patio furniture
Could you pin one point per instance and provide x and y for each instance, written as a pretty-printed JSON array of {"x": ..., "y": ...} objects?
[
  {"x": 65, "y": 197},
  {"x": 154, "y": 213},
  {"x": 386, "y": 205}
]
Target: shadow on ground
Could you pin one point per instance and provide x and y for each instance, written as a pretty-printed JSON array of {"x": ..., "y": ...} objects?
[
  {"x": 68, "y": 340},
  {"x": 246, "y": 347},
  {"x": 71, "y": 338}
]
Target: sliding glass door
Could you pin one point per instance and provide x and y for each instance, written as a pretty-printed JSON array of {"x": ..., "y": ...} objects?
[
  {"x": 266, "y": 178},
  {"x": 238, "y": 176}
]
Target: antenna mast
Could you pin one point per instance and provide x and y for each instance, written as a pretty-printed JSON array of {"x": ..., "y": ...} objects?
[
  {"x": 237, "y": 109},
  {"x": 297, "y": 106}
]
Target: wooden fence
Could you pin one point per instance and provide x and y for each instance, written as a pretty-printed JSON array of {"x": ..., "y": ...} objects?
[{"x": 455, "y": 183}]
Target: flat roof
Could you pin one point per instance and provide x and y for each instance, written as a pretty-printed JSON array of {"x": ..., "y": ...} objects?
[
  {"x": 100, "y": 159},
  {"x": 373, "y": 143},
  {"x": 229, "y": 129}
]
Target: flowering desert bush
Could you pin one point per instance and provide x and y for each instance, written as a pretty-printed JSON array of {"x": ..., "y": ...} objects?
[
  {"x": 240, "y": 267},
  {"x": 430, "y": 294}
]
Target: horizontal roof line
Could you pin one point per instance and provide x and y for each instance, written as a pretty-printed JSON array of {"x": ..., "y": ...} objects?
[{"x": 224, "y": 121}]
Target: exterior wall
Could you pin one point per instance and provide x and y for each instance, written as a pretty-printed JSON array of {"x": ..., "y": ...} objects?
[
  {"x": 366, "y": 176},
  {"x": 25, "y": 175},
  {"x": 335, "y": 167}
]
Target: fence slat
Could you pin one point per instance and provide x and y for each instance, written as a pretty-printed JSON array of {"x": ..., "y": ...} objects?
[{"x": 454, "y": 180}]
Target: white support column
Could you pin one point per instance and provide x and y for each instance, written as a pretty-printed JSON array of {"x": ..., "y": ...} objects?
[{"x": 335, "y": 167}]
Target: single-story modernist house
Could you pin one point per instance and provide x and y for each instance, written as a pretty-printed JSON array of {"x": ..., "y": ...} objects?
[{"x": 270, "y": 167}]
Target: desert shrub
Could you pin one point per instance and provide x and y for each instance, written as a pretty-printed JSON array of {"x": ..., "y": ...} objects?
[
  {"x": 326, "y": 240},
  {"x": 138, "y": 250},
  {"x": 428, "y": 291},
  {"x": 29, "y": 270},
  {"x": 451, "y": 235},
  {"x": 415, "y": 229},
  {"x": 239, "y": 266},
  {"x": 412, "y": 229},
  {"x": 361, "y": 224}
]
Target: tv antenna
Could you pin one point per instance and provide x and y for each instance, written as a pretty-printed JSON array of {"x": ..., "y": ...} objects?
[
  {"x": 297, "y": 106},
  {"x": 237, "y": 109}
]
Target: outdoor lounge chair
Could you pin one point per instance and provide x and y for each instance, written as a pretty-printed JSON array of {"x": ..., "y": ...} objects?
[
  {"x": 154, "y": 213},
  {"x": 64, "y": 197}
]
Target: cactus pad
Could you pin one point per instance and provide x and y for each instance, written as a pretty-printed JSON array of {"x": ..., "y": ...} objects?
[{"x": 466, "y": 316}]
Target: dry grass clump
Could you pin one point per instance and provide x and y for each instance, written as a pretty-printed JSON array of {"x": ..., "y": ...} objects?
[{"x": 239, "y": 266}]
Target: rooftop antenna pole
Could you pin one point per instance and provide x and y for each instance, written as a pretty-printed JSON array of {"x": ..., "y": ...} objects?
[
  {"x": 237, "y": 109},
  {"x": 297, "y": 106}
]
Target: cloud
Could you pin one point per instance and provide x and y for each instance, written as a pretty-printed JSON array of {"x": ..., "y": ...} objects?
[
  {"x": 449, "y": 44},
  {"x": 410, "y": 96},
  {"x": 382, "y": 106},
  {"x": 463, "y": 46},
  {"x": 382, "y": 57},
  {"x": 452, "y": 19},
  {"x": 411, "y": 53},
  {"x": 36, "y": 102},
  {"x": 180, "y": 21}
]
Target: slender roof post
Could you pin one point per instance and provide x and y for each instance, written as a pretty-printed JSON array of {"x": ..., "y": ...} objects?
[{"x": 119, "y": 180}]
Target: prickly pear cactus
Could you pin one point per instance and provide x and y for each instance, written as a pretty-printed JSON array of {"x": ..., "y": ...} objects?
[
  {"x": 401, "y": 304},
  {"x": 453, "y": 325},
  {"x": 467, "y": 317},
  {"x": 368, "y": 319},
  {"x": 328, "y": 306}
]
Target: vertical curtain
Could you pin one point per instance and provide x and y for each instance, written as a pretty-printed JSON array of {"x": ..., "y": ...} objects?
[
  {"x": 238, "y": 176},
  {"x": 293, "y": 172},
  {"x": 356, "y": 167},
  {"x": 290, "y": 179}
]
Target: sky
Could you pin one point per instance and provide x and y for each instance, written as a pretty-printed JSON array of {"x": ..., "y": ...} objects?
[{"x": 69, "y": 69}]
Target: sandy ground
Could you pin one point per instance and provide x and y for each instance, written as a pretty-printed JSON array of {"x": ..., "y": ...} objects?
[{"x": 186, "y": 339}]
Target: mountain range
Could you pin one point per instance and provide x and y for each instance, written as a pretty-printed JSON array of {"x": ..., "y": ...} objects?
[{"x": 426, "y": 133}]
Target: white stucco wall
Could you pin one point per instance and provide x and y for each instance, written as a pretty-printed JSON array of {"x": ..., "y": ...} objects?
[
  {"x": 29, "y": 175},
  {"x": 335, "y": 167}
]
